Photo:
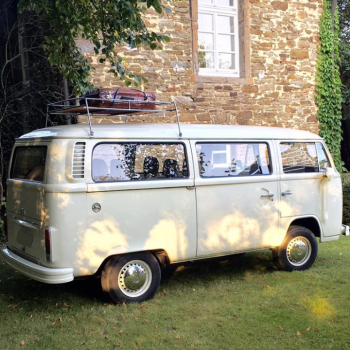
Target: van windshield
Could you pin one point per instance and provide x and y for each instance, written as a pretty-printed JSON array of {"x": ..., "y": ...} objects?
[{"x": 29, "y": 163}]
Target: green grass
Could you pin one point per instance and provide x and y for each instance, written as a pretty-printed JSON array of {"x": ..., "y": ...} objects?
[{"x": 241, "y": 303}]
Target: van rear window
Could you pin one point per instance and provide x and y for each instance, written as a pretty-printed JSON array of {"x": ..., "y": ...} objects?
[{"x": 29, "y": 163}]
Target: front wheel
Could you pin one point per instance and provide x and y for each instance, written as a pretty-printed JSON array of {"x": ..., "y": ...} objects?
[
  {"x": 298, "y": 251},
  {"x": 131, "y": 278}
]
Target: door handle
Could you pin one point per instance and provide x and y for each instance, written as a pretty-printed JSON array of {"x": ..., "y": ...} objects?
[
  {"x": 287, "y": 193},
  {"x": 267, "y": 196},
  {"x": 190, "y": 187}
]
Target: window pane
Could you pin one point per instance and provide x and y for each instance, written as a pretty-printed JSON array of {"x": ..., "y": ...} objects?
[
  {"x": 138, "y": 161},
  {"x": 206, "y": 60},
  {"x": 237, "y": 159},
  {"x": 205, "y": 22},
  {"x": 29, "y": 163},
  {"x": 225, "y": 24},
  {"x": 205, "y": 41},
  {"x": 224, "y": 2},
  {"x": 219, "y": 158},
  {"x": 226, "y": 61},
  {"x": 299, "y": 157},
  {"x": 323, "y": 160},
  {"x": 205, "y": 1},
  {"x": 226, "y": 43}
]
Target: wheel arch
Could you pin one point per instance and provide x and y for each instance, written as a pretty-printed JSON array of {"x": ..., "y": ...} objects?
[
  {"x": 310, "y": 223},
  {"x": 160, "y": 254}
]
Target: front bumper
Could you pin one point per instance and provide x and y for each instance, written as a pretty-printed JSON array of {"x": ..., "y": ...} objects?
[
  {"x": 345, "y": 230},
  {"x": 34, "y": 271}
]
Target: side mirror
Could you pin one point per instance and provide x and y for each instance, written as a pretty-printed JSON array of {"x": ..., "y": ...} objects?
[{"x": 328, "y": 173}]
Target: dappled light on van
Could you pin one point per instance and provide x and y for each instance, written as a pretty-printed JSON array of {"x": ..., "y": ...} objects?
[
  {"x": 101, "y": 239},
  {"x": 232, "y": 232},
  {"x": 27, "y": 198},
  {"x": 169, "y": 233},
  {"x": 62, "y": 199},
  {"x": 237, "y": 232},
  {"x": 56, "y": 152}
]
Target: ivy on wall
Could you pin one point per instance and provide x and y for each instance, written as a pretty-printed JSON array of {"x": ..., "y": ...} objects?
[{"x": 328, "y": 84}]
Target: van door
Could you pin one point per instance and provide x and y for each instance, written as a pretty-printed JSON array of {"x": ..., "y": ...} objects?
[
  {"x": 237, "y": 196},
  {"x": 304, "y": 189},
  {"x": 140, "y": 197},
  {"x": 25, "y": 199}
]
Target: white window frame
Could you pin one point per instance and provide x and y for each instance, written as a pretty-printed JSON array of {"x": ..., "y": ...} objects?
[
  {"x": 227, "y": 153},
  {"x": 216, "y": 10}
]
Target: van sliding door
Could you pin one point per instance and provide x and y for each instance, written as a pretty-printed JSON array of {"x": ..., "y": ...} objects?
[{"x": 237, "y": 197}]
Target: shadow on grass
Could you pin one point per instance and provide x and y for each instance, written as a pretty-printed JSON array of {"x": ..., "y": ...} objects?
[
  {"x": 233, "y": 267},
  {"x": 18, "y": 289}
]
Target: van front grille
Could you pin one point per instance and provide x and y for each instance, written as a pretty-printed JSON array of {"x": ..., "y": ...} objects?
[{"x": 78, "y": 160}]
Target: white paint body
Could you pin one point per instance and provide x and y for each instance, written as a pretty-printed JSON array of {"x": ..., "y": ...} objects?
[{"x": 189, "y": 219}]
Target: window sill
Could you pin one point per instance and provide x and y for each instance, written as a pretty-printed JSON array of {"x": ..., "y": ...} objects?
[{"x": 222, "y": 80}]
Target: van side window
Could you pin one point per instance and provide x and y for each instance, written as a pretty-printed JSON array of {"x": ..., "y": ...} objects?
[
  {"x": 29, "y": 163},
  {"x": 138, "y": 161},
  {"x": 299, "y": 157},
  {"x": 323, "y": 160},
  {"x": 233, "y": 159}
]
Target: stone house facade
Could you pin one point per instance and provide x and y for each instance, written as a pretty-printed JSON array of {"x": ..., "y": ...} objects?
[{"x": 246, "y": 62}]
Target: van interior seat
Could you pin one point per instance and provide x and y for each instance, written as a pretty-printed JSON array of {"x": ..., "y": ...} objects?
[
  {"x": 99, "y": 168},
  {"x": 118, "y": 169},
  {"x": 170, "y": 168},
  {"x": 254, "y": 169},
  {"x": 150, "y": 167}
]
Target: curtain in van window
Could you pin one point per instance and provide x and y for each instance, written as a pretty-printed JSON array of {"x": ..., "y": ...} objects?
[
  {"x": 138, "y": 161},
  {"x": 233, "y": 159}
]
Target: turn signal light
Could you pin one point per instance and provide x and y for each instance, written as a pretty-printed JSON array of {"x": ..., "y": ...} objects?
[{"x": 48, "y": 244}]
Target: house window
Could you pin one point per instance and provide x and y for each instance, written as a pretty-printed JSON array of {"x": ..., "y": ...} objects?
[{"x": 218, "y": 39}]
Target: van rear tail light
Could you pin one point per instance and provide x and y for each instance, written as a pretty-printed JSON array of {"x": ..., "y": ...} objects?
[
  {"x": 48, "y": 244},
  {"x": 5, "y": 228}
]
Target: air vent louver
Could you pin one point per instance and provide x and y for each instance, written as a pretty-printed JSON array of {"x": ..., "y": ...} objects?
[{"x": 78, "y": 160}]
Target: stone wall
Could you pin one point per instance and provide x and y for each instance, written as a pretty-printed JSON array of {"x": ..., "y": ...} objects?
[{"x": 281, "y": 39}]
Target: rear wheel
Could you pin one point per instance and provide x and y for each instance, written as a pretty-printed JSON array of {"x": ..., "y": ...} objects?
[
  {"x": 131, "y": 278},
  {"x": 298, "y": 251}
]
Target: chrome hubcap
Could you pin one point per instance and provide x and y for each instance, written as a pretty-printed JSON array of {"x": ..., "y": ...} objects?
[
  {"x": 135, "y": 278},
  {"x": 299, "y": 251}
]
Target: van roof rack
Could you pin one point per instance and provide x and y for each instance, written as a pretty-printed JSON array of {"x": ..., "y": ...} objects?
[{"x": 125, "y": 108}]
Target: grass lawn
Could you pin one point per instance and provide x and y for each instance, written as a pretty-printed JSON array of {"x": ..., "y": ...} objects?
[{"x": 241, "y": 303}]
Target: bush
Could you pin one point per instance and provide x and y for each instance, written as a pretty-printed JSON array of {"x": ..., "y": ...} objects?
[{"x": 346, "y": 203}]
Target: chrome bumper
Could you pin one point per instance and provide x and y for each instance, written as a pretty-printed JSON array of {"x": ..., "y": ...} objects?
[
  {"x": 345, "y": 230},
  {"x": 34, "y": 271}
]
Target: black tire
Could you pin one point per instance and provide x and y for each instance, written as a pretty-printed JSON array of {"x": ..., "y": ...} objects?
[
  {"x": 121, "y": 278},
  {"x": 298, "y": 251}
]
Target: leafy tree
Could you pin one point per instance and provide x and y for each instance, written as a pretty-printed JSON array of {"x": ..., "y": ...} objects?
[{"x": 104, "y": 23}]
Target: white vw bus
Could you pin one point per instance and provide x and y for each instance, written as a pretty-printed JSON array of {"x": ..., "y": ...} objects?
[{"x": 135, "y": 198}]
